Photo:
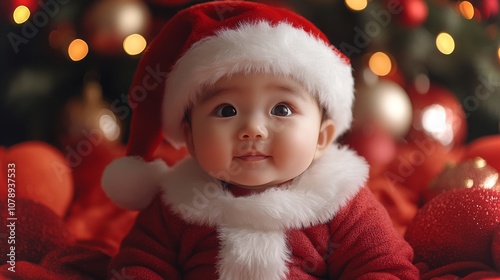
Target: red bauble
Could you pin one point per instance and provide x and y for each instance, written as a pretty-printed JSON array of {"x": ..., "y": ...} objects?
[
  {"x": 372, "y": 142},
  {"x": 488, "y": 148},
  {"x": 438, "y": 115},
  {"x": 487, "y": 8},
  {"x": 413, "y": 12},
  {"x": 495, "y": 249},
  {"x": 37, "y": 231},
  {"x": 456, "y": 226},
  {"x": 467, "y": 174},
  {"x": 41, "y": 174},
  {"x": 417, "y": 163}
]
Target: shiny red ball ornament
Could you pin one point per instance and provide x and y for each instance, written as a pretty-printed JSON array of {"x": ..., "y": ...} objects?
[
  {"x": 41, "y": 173},
  {"x": 467, "y": 174},
  {"x": 487, "y": 8},
  {"x": 418, "y": 162},
  {"x": 495, "y": 249},
  {"x": 372, "y": 142},
  {"x": 413, "y": 12},
  {"x": 456, "y": 226},
  {"x": 487, "y": 147},
  {"x": 437, "y": 115}
]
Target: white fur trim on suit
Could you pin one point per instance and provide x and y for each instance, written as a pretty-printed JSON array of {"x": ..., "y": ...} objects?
[
  {"x": 132, "y": 183},
  {"x": 243, "y": 250},
  {"x": 279, "y": 49},
  {"x": 248, "y": 225}
]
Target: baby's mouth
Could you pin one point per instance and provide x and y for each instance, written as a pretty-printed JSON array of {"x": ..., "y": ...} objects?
[{"x": 253, "y": 157}]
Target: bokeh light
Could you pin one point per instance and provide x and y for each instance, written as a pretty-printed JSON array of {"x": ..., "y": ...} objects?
[
  {"x": 134, "y": 44},
  {"x": 109, "y": 125},
  {"x": 21, "y": 14},
  {"x": 435, "y": 123},
  {"x": 78, "y": 50},
  {"x": 466, "y": 9},
  {"x": 445, "y": 43},
  {"x": 380, "y": 64},
  {"x": 356, "y": 5}
]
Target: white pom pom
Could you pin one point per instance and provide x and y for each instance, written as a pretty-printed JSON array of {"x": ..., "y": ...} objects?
[{"x": 132, "y": 183}]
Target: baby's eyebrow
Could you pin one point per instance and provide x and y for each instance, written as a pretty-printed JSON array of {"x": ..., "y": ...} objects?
[
  {"x": 296, "y": 91},
  {"x": 290, "y": 89},
  {"x": 211, "y": 93}
]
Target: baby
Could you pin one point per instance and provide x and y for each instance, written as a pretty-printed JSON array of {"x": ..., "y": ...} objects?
[{"x": 258, "y": 96}]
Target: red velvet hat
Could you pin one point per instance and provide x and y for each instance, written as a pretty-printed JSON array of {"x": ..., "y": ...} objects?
[{"x": 197, "y": 47}]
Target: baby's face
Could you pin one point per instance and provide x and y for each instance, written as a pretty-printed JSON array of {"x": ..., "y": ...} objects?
[{"x": 255, "y": 130}]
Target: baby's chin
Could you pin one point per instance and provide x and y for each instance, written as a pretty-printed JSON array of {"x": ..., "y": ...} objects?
[{"x": 258, "y": 185}]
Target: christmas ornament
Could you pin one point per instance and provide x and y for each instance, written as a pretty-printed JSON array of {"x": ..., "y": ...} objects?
[
  {"x": 456, "y": 226},
  {"x": 88, "y": 121},
  {"x": 487, "y": 8},
  {"x": 413, "y": 12},
  {"x": 385, "y": 103},
  {"x": 437, "y": 115},
  {"x": 495, "y": 249},
  {"x": 466, "y": 174},
  {"x": 417, "y": 163},
  {"x": 109, "y": 22},
  {"x": 372, "y": 142},
  {"x": 488, "y": 148},
  {"x": 36, "y": 231},
  {"x": 41, "y": 174}
]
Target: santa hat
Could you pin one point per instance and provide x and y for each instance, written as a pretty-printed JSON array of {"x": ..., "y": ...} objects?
[{"x": 197, "y": 47}]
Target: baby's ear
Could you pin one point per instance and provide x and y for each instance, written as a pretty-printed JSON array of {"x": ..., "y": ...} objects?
[
  {"x": 188, "y": 136},
  {"x": 325, "y": 137}
]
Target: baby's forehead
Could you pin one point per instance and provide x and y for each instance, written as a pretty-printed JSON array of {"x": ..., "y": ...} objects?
[{"x": 242, "y": 82}]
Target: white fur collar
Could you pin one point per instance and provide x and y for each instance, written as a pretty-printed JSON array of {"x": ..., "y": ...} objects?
[
  {"x": 325, "y": 187},
  {"x": 252, "y": 229}
]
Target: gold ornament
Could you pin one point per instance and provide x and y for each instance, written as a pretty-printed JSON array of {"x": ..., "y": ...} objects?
[
  {"x": 385, "y": 103},
  {"x": 475, "y": 173}
]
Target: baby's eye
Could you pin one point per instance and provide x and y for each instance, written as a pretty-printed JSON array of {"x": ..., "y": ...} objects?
[
  {"x": 225, "y": 111},
  {"x": 281, "y": 110}
]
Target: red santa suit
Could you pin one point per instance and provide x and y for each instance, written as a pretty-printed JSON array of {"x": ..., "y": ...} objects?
[{"x": 323, "y": 225}]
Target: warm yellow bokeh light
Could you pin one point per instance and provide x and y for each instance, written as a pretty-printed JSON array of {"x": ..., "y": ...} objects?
[
  {"x": 356, "y": 5},
  {"x": 134, "y": 44},
  {"x": 21, "y": 14},
  {"x": 380, "y": 64},
  {"x": 466, "y": 9},
  {"x": 78, "y": 50},
  {"x": 498, "y": 52},
  {"x": 445, "y": 43}
]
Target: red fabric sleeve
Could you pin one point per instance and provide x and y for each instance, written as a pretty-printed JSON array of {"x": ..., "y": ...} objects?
[
  {"x": 365, "y": 245},
  {"x": 162, "y": 246},
  {"x": 149, "y": 251}
]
